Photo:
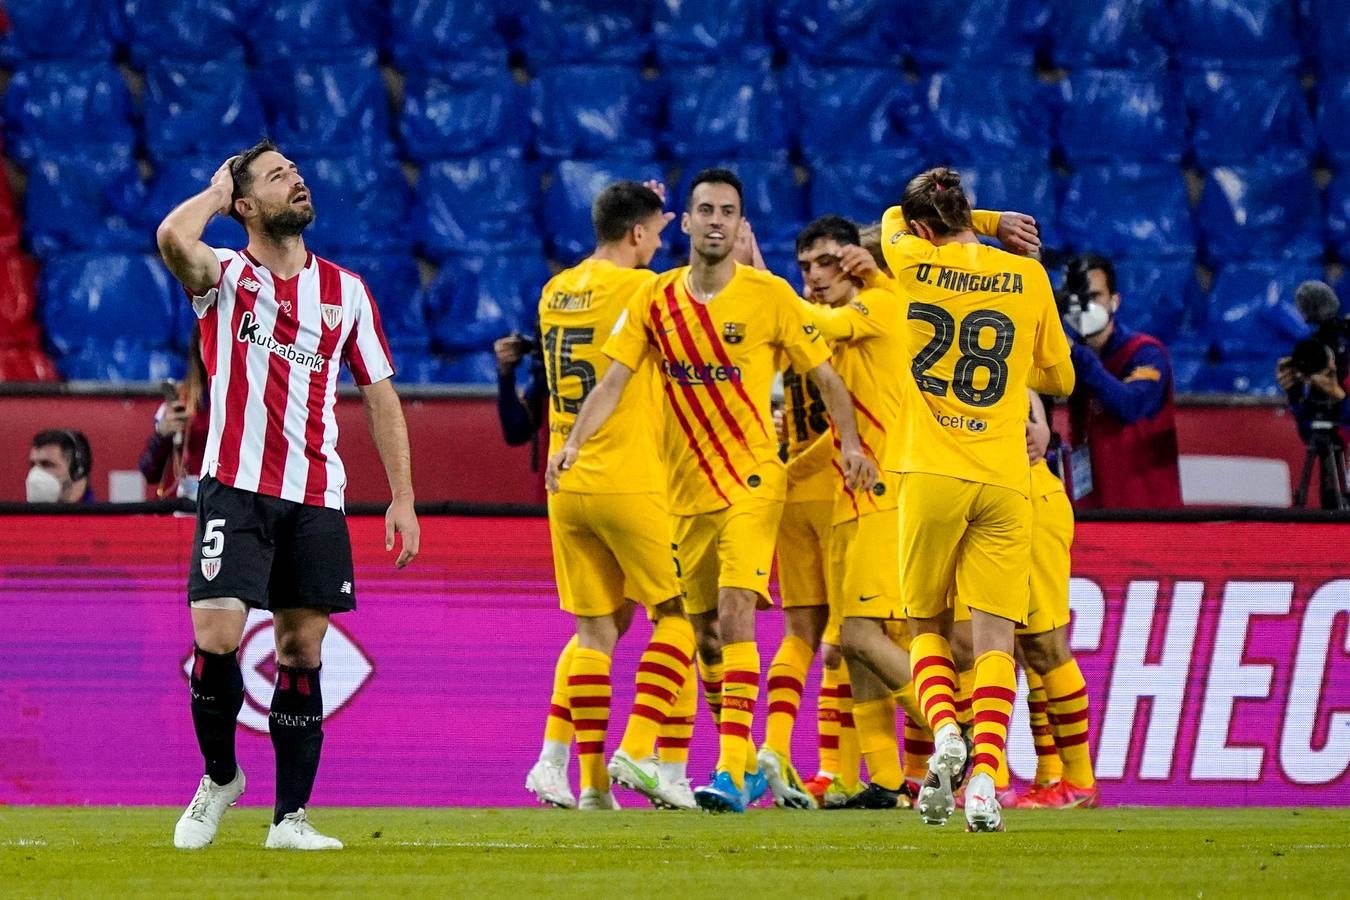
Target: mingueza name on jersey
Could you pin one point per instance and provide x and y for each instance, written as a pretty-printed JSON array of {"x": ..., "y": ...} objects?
[
  {"x": 969, "y": 282},
  {"x": 684, "y": 373},
  {"x": 961, "y": 423},
  {"x": 250, "y": 330},
  {"x": 565, "y": 301}
]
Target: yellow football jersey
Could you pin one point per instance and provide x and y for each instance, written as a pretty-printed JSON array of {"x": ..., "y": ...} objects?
[
  {"x": 807, "y": 422},
  {"x": 1045, "y": 482},
  {"x": 717, "y": 362},
  {"x": 979, "y": 319},
  {"x": 577, "y": 312},
  {"x": 871, "y": 336}
]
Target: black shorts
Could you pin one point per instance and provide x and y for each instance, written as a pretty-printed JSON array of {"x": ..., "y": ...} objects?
[{"x": 271, "y": 553}]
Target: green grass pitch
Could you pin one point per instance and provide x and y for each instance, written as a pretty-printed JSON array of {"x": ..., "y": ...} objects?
[{"x": 637, "y": 853}]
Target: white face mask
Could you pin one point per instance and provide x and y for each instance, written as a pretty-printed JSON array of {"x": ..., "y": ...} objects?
[
  {"x": 1089, "y": 321},
  {"x": 42, "y": 486}
]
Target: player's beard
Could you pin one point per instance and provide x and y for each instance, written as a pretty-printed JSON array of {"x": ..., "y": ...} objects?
[{"x": 287, "y": 222}]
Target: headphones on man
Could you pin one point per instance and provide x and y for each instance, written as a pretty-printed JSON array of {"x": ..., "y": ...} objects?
[{"x": 81, "y": 458}]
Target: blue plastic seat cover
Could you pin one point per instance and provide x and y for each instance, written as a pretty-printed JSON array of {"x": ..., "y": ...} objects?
[
  {"x": 1132, "y": 34},
  {"x": 1127, "y": 210},
  {"x": 483, "y": 204},
  {"x": 463, "y": 110},
  {"x": 590, "y": 111},
  {"x": 724, "y": 111},
  {"x": 1239, "y": 116},
  {"x": 199, "y": 107},
  {"x": 86, "y": 200},
  {"x": 65, "y": 105},
  {"x": 98, "y": 298},
  {"x": 426, "y": 33},
  {"x": 360, "y": 204},
  {"x": 327, "y": 108},
  {"x": 1257, "y": 35},
  {"x": 478, "y": 299},
  {"x": 1121, "y": 115},
  {"x": 584, "y": 31},
  {"x": 710, "y": 31},
  {"x": 571, "y": 191},
  {"x": 1267, "y": 210}
]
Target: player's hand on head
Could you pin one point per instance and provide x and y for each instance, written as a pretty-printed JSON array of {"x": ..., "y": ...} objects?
[
  {"x": 401, "y": 519},
  {"x": 856, "y": 262},
  {"x": 656, "y": 187},
  {"x": 223, "y": 181},
  {"x": 557, "y": 464},
  {"x": 1017, "y": 232}
]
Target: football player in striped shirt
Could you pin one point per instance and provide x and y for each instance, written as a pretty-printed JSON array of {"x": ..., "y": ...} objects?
[
  {"x": 716, "y": 329},
  {"x": 984, "y": 328},
  {"x": 276, "y": 323}
]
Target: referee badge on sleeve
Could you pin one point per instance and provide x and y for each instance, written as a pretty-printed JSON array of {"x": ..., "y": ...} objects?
[{"x": 332, "y": 314}]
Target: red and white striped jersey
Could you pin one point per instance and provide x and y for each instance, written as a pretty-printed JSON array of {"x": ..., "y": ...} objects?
[{"x": 272, "y": 348}]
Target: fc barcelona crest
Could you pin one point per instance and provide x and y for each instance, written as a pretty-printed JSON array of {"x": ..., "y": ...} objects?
[
  {"x": 210, "y": 569},
  {"x": 332, "y": 314},
  {"x": 733, "y": 332}
]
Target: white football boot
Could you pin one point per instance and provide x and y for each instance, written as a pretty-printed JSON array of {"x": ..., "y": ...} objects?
[
  {"x": 594, "y": 798},
  {"x": 936, "y": 801},
  {"x": 198, "y": 825},
  {"x": 548, "y": 781},
  {"x": 983, "y": 812},
  {"x": 294, "y": 832}
]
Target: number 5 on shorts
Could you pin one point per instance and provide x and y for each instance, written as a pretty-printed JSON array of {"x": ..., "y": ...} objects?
[{"x": 213, "y": 540}]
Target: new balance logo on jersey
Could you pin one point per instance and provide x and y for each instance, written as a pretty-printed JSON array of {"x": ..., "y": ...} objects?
[
  {"x": 250, "y": 330},
  {"x": 346, "y": 588},
  {"x": 685, "y": 373},
  {"x": 249, "y": 284}
]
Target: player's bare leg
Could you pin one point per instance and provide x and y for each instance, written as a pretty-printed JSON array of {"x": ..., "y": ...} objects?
[
  {"x": 803, "y": 627},
  {"x": 1049, "y": 656},
  {"x": 708, "y": 637},
  {"x": 217, "y": 689},
  {"x": 731, "y": 790}
]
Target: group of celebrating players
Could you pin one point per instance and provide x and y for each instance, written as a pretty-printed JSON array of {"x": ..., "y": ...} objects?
[{"x": 921, "y": 536}]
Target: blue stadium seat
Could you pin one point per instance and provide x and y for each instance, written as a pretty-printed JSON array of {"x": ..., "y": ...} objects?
[
  {"x": 98, "y": 298},
  {"x": 874, "y": 104},
  {"x": 1237, "y": 117},
  {"x": 59, "y": 29},
  {"x": 1130, "y": 34},
  {"x": 974, "y": 33},
  {"x": 121, "y": 361},
  {"x": 182, "y": 31},
  {"x": 1333, "y": 117},
  {"x": 1252, "y": 377},
  {"x": 425, "y": 33},
  {"x": 724, "y": 111},
  {"x": 481, "y": 298},
  {"x": 481, "y": 205},
  {"x": 785, "y": 266},
  {"x": 774, "y": 203},
  {"x": 360, "y": 204},
  {"x": 88, "y": 200},
  {"x": 471, "y": 368},
  {"x": 863, "y": 32},
  {"x": 1326, "y": 29},
  {"x": 395, "y": 284},
  {"x": 584, "y": 31},
  {"x": 61, "y": 106},
  {"x": 989, "y": 114},
  {"x": 1027, "y": 189},
  {"x": 327, "y": 108},
  {"x": 568, "y": 198},
  {"x": 1251, "y": 308},
  {"x": 174, "y": 181},
  {"x": 862, "y": 187},
  {"x": 1338, "y": 214},
  {"x": 687, "y": 32},
  {"x": 463, "y": 110},
  {"x": 589, "y": 111},
  {"x": 1128, "y": 210},
  {"x": 1256, "y": 35},
  {"x": 313, "y": 30},
  {"x": 1269, "y": 210},
  {"x": 1156, "y": 294},
  {"x": 201, "y": 107},
  {"x": 1119, "y": 115}
]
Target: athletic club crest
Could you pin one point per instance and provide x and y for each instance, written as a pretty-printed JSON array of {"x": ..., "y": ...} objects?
[
  {"x": 210, "y": 569},
  {"x": 332, "y": 314},
  {"x": 733, "y": 332}
]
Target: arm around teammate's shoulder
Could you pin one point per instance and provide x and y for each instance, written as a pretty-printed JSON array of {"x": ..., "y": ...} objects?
[{"x": 179, "y": 236}]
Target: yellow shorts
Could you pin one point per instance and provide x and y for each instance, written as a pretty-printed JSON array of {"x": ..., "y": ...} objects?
[
  {"x": 967, "y": 537},
  {"x": 608, "y": 548},
  {"x": 730, "y": 548},
  {"x": 802, "y": 554},
  {"x": 865, "y": 564},
  {"x": 1051, "y": 537}
]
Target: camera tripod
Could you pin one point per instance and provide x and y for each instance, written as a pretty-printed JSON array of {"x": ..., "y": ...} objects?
[{"x": 1326, "y": 449}]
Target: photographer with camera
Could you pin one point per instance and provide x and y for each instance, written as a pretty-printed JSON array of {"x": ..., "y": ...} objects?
[
  {"x": 1122, "y": 424},
  {"x": 1314, "y": 378}
]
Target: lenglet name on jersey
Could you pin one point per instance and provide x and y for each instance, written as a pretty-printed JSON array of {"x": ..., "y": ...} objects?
[
  {"x": 565, "y": 301},
  {"x": 689, "y": 374},
  {"x": 961, "y": 282},
  {"x": 250, "y": 330}
]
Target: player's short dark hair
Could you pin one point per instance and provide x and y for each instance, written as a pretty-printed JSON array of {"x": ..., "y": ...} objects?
[
  {"x": 837, "y": 227},
  {"x": 1090, "y": 261},
  {"x": 620, "y": 206},
  {"x": 935, "y": 198},
  {"x": 74, "y": 446},
  {"x": 242, "y": 173},
  {"x": 719, "y": 176}
]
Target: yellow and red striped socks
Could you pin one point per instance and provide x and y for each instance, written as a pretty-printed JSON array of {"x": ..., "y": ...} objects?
[
  {"x": 934, "y": 680},
  {"x": 875, "y": 721},
  {"x": 827, "y": 720},
  {"x": 558, "y": 726},
  {"x": 1068, "y": 711},
  {"x": 850, "y": 753},
  {"x": 965, "y": 686},
  {"x": 787, "y": 678},
  {"x": 661, "y": 675},
  {"x": 588, "y": 694},
  {"x": 918, "y": 739},
  {"x": 992, "y": 701},
  {"x": 740, "y": 690},
  {"x": 675, "y": 733},
  {"x": 711, "y": 676},
  {"x": 1049, "y": 768}
]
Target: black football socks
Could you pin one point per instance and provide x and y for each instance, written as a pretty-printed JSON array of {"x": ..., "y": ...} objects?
[
  {"x": 296, "y": 724},
  {"x": 217, "y": 688}
]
